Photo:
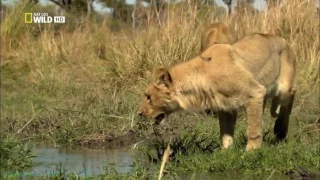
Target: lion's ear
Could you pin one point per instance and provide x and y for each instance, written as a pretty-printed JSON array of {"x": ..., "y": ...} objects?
[{"x": 161, "y": 76}]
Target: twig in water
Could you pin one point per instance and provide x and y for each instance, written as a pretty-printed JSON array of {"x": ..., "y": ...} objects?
[
  {"x": 136, "y": 144},
  {"x": 165, "y": 158},
  {"x": 270, "y": 175}
]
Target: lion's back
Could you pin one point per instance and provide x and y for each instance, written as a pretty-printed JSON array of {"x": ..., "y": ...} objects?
[{"x": 261, "y": 55}]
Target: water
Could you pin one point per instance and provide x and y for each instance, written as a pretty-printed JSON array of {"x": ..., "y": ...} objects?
[
  {"x": 84, "y": 162},
  {"x": 89, "y": 162}
]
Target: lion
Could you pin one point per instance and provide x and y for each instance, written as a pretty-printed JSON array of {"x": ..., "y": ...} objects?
[
  {"x": 225, "y": 78},
  {"x": 217, "y": 33}
]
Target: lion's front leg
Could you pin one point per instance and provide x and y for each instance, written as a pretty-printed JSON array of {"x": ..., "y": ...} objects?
[
  {"x": 254, "y": 112},
  {"x": 227, "y": 121}
]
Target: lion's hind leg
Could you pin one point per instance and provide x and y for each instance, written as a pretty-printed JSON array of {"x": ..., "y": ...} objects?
[
  {"x": 286, "y": 93},
  {"x": 282, "y": 122},
  {"x": 227, "y": 122}
]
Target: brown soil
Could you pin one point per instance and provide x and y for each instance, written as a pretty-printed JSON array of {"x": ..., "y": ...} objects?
[
  {"x": 111, "y": 141},
  {"x": 124, "y": 140}
]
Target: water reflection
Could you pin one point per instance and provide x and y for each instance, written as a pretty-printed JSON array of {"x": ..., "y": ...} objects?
[{"x": 84, "y": 162}]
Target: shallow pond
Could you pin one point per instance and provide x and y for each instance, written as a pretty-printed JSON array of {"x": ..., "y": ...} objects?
[{"x": 81, "y": 161}]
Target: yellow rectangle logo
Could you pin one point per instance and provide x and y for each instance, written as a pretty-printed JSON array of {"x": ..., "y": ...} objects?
[{"x": 28, "y": 17}]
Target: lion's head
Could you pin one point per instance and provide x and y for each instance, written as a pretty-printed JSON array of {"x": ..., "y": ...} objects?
[{"x": 158, "y": 101}]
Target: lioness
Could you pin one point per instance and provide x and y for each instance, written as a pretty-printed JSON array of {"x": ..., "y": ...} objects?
[
  {"x": 217, "y": 33},
  {"x": 224, "y": 78}
]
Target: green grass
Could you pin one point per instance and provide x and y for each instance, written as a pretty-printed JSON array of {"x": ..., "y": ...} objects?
[
  {"x": 81, "y": 82},
  {"x": 14, "y": 155},
  {"x": 198, "y": 150}
]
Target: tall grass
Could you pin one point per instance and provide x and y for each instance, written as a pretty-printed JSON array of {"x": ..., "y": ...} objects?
[{"x": 85, "y": 81}]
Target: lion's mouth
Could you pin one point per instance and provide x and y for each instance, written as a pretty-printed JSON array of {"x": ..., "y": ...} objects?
[{"x": 159, "y": 118}]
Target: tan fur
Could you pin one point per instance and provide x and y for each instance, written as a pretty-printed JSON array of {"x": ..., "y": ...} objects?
[
  {"x": 225, "y": 78},
  {"x": 218, "y": 33}
]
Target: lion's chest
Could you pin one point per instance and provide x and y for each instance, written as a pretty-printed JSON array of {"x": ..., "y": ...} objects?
[{"x": 199, "y": 99}]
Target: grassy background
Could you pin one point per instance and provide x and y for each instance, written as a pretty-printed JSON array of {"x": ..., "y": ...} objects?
[{"x": 81, "y": 81}]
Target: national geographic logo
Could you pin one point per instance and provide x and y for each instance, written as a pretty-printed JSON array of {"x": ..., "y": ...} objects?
[
  {"x": 42, "y": 18},
  {"x": 28, "y": 18}
]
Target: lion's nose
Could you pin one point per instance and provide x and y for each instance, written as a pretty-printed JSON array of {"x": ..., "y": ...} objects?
[{"x": 140, "y": 113}]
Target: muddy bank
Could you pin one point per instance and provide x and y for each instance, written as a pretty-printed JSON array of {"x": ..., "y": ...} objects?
[
  {"x": 146, "y": 134},
  {"x": 128, "y": 139},
  {"x": 111, "y": 141}
]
